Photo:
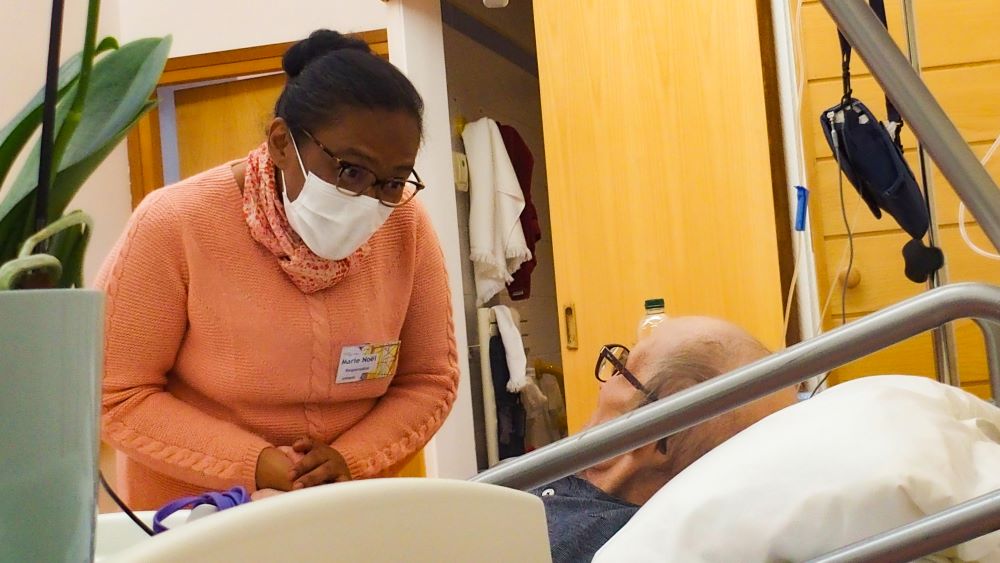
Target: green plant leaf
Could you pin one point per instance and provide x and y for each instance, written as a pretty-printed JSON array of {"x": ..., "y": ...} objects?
[
  {"x": 13, "y": 271},
  {"x": 17, "y": 224},
  {"x": 70, "y": 178},
  {"x": 66, "y": 240},
  {"x": 12, "y": 232},
  {"x": 119, "y": 94},
  {"x": 69, "y": 247},
  {"x": 16, "y": 133}
]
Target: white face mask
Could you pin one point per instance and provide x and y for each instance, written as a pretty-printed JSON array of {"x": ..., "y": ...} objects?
[{"x": 331, "y": 223}]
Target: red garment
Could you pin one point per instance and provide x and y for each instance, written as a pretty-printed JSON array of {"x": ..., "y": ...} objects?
[{"x": 524, "y": 163}]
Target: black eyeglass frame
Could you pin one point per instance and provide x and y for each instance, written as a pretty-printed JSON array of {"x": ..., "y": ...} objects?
[
  {"x": 607, "y": 355},
  {"x": 376, "y": 184}
]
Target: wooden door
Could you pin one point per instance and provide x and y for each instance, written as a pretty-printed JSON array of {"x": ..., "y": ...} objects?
[
  {"x": 660, "y": 183},
  {"x": 960, "y": 56},
  {"x": 223, "y": 121}
]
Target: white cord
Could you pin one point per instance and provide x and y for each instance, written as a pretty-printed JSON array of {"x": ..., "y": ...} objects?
[
  {"x": 799, "y": 60},
  {"x": 840, "y": 264},
  {"x": 961, "y": 213},
  {"x": 792, "y": 286},
  {"x": 800, "y": 56}
]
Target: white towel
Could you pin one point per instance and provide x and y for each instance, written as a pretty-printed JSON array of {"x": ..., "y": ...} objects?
[
  {"x": 517, "y": 361},
  {"x": 496, "y": 239}
]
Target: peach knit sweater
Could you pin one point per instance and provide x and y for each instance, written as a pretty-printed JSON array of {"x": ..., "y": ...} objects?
[{"x": 212, "y": 354}]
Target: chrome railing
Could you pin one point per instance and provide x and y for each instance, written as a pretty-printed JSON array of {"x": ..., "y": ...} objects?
[{"x": 722, "y": 394}]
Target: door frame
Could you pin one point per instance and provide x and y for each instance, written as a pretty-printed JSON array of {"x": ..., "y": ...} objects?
[{"x": 145, "y": 149}]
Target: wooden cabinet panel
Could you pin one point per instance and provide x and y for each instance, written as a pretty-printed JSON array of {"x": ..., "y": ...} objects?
[
  {"x": 960, "y": 53},
  {"x": 879, "y": 260},
  {"x": 972, "y": 353},
  {"x": 915, "y": 356},
  {"x": 223, "y": 121},
  {"x": 937, "y": 22},
  {"x": 981, "y": 390},
  {"x": 822, "y": 50},
  {"x": 826, "y": 198},
  {"x": 968, "y": 95},
  {"x": 659, "y": 171},
  {"x": 951, "y": 32}
]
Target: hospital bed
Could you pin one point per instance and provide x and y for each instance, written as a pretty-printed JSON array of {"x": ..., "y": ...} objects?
[{"x": 488, "y": 520}]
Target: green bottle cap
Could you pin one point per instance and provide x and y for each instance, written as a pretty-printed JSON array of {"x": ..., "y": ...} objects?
[{"x": 657, "y": 303}]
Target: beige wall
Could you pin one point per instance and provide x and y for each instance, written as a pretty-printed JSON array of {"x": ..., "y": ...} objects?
[
  {"x": 24, "y": 42},
  {"x": 198, "y": 26}
]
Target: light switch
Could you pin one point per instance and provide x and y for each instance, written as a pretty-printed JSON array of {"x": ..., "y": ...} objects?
[{"x": 461, "y": 171}]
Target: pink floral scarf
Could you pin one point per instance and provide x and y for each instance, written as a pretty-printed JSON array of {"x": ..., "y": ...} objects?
[{"x": 265, "y": 215}]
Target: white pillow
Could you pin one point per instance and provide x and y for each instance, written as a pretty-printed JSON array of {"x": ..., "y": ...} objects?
[{"x": 861, "y": 458}]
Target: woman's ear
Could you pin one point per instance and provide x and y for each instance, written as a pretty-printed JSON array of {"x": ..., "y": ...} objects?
[
  {"x": 282, "y": 149},
  {"x": 279, "y": 145}
]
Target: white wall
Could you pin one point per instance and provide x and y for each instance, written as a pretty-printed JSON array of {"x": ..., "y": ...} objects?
[{"x": 205, "y": 26}]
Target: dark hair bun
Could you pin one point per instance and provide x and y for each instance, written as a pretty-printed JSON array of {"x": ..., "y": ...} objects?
[{"x": 319, "y": 43}]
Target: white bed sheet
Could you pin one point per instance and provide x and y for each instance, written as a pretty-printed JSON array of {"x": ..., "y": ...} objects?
[{"x": 863, "y": 457}]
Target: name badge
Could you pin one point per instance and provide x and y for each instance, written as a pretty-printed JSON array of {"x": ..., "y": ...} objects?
[{"x": 367, "y": 361}]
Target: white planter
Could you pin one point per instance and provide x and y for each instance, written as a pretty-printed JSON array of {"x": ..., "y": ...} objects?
[{"x": 51, "y": 349}]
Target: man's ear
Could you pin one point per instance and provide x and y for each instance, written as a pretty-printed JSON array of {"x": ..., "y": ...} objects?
[
  {"x": 650, "y": 455},
  {"x": 279, "y": 144}
]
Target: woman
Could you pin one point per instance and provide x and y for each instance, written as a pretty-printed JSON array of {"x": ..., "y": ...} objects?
[{"x": 294, "y": 300}]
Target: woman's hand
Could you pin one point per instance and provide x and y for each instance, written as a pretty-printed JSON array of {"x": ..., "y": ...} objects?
[
  {"x": 273, "y": 468},
  {"x": 320, "y": 464}
]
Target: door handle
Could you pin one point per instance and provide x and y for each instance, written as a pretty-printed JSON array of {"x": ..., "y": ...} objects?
[{"x": 569, "y": 314}]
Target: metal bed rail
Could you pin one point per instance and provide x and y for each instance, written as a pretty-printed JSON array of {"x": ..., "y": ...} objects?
[
  {"x": 828, "y": 351},
  {"x": 722, "y": 394},
  {"x": 958, "y": 524}
]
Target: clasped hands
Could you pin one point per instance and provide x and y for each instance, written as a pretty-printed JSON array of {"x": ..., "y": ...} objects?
[{"x": 306, "y": 463}]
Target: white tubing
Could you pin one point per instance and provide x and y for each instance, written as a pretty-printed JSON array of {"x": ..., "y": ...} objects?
[{"x": 961, "y": 213}]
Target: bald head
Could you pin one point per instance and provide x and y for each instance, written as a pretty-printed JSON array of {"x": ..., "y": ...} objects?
[
  {"x": 681, "y": 353},
  {"x": 686, "y": 351}
]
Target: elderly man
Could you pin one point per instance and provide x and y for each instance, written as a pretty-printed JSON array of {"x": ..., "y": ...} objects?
[{"x": 585, "y": 510}]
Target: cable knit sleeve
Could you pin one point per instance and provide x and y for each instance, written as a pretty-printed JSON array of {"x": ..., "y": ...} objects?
[
  {"x": 423, "y": 390},
  {"x": 145, "y": 279}
]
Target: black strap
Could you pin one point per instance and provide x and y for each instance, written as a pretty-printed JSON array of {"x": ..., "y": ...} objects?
[{"x": 877, "y": 6}]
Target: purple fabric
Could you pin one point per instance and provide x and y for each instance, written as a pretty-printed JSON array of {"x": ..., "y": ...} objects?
[{"x": 233, "y": 497}]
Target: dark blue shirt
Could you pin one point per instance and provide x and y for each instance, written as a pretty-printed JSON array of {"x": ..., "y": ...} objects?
[{"x": 581, "y": 518}]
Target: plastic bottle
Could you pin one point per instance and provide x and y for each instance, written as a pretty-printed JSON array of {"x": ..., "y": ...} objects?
[{"x": 654, "y": 315}]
